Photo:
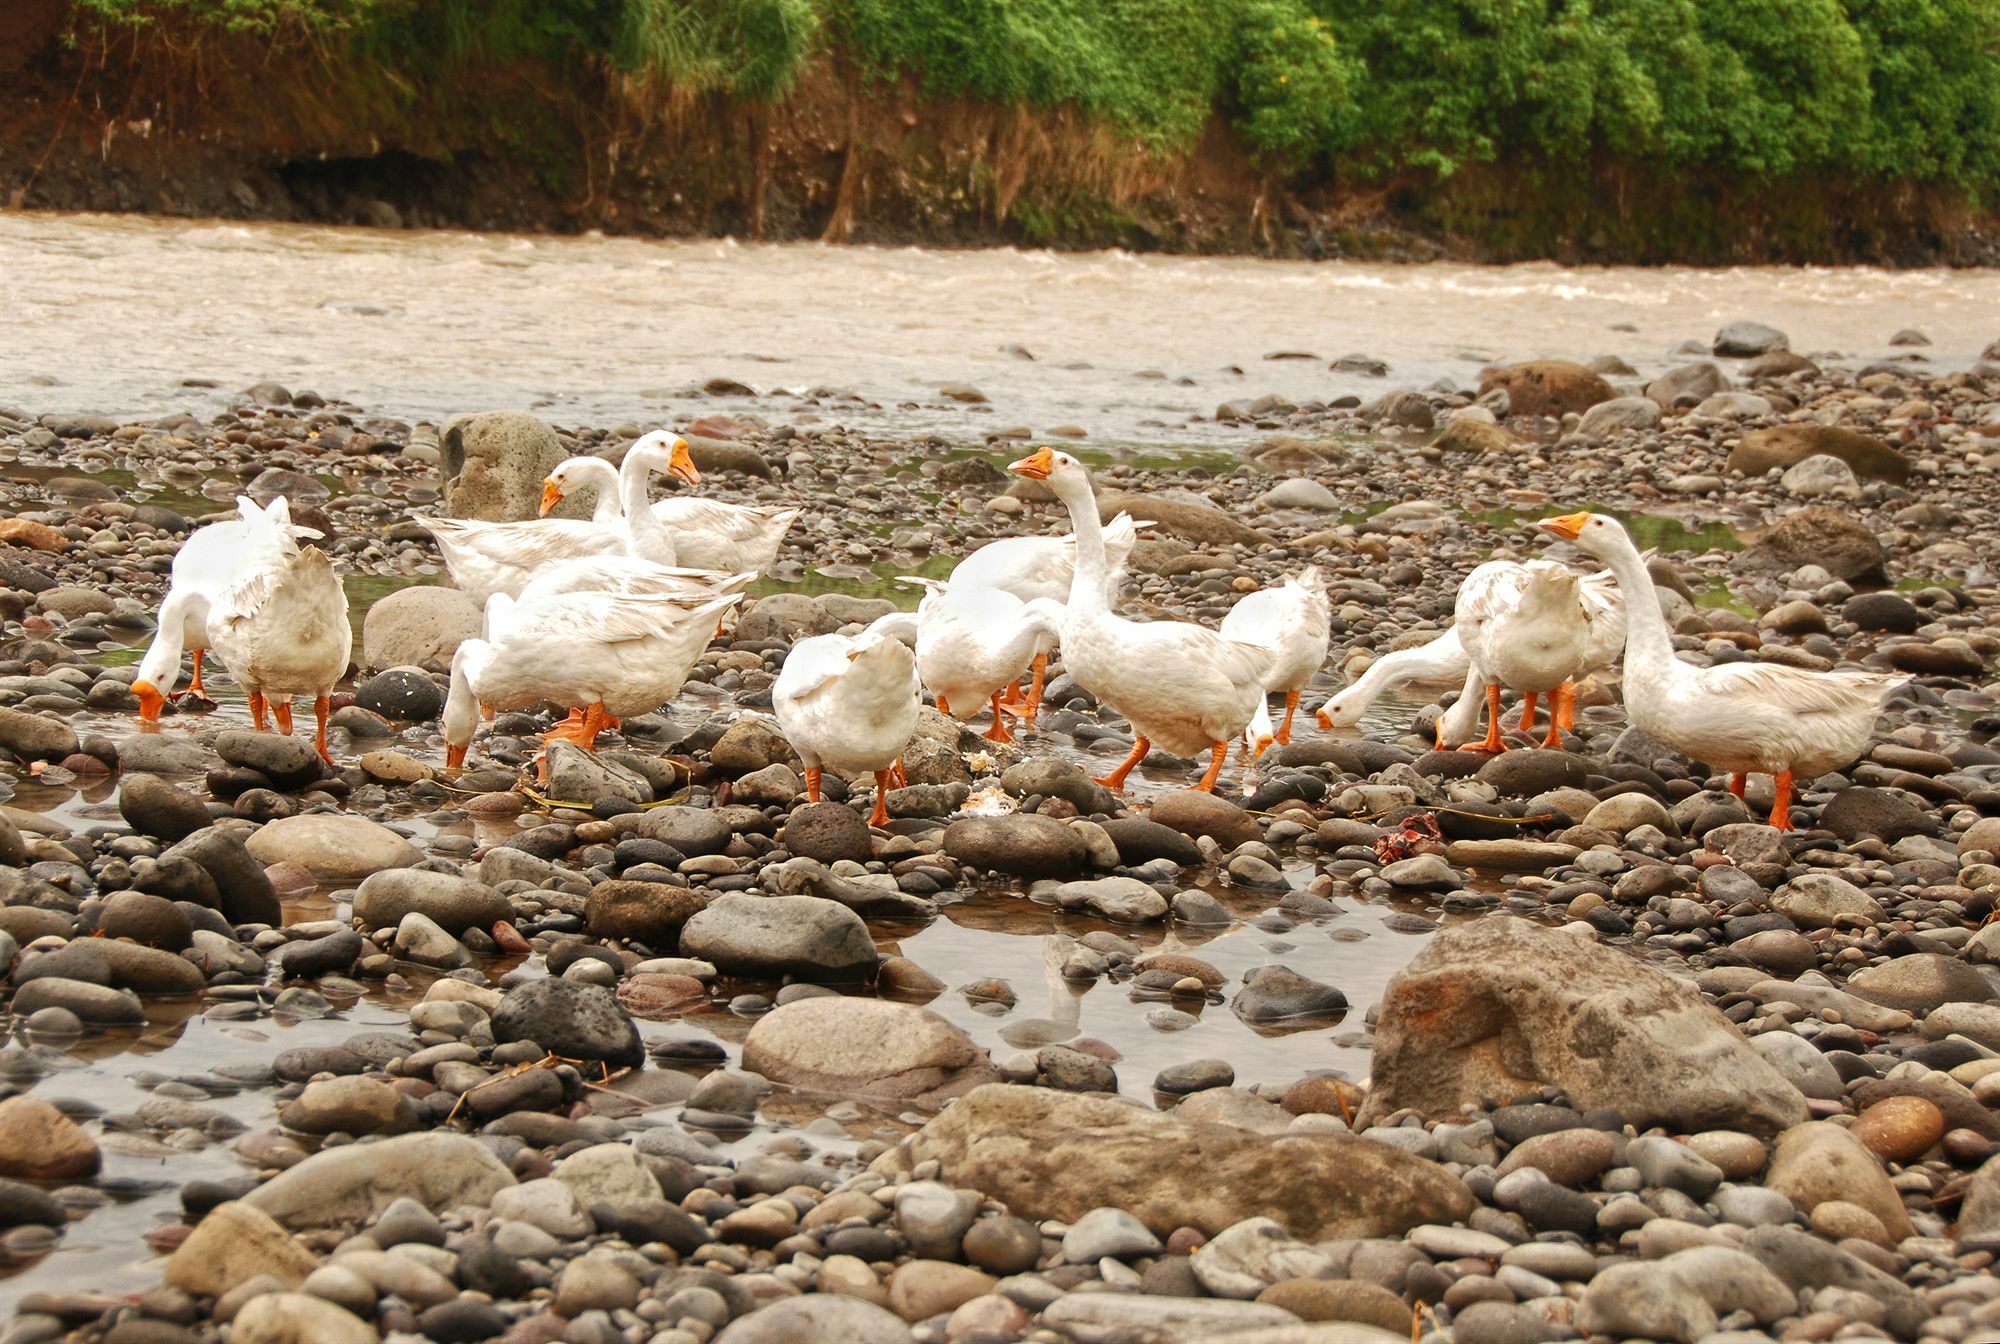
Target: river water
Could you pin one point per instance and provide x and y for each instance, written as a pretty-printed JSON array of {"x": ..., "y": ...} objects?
[{"x": 113, "y": 313}]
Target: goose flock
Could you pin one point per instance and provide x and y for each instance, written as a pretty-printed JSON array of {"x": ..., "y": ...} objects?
[{"x": 607, "y": 616}]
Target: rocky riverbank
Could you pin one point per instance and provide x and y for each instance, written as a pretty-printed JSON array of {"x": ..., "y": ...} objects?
[{"x": 661, "y": 1053}]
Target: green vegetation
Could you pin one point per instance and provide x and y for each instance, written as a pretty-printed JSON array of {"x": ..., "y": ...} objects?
[{"x": 1903, "y": 90}]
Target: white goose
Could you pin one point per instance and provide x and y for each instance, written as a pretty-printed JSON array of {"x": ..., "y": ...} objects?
[
  {"x": 608, "y": 654},
  {"x": 974, "y": 642},
  {"x": 708, "y": 533},
  {"x": 1742, "y": 717},
  {"x": 1523, "y": 626},
  {"x": 283, "y": 631},
  {"x": 212, "y": 559},
  {"x": 1043, "y": 567},
  {"x": 487, "y": 558},
  {"x": 1604, "y": 606},
  {"x": 1292, "y": 618},
  {"x": 849, "y": 702},
  {"x": 1179, "y": 684}
]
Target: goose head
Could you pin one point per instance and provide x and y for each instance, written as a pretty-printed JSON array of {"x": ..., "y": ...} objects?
[
  {"x": 578, "y": 473},
  {"x": 151, "y": 701},
  {"x": 1065, "y": 476},
  {"x": 664, "y": 451},
  {"x": 1592, "y": 532}
]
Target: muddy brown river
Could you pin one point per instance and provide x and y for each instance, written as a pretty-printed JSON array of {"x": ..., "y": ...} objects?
[{"x": 115, "y": 313}]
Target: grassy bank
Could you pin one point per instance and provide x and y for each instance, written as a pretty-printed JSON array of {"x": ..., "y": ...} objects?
[{"x": 1273, "y": 123}]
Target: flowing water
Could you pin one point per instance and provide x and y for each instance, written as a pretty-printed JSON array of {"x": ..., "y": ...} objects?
[
  {"x": 132, "y": 316},
  {"x": 115, "y": 313}
]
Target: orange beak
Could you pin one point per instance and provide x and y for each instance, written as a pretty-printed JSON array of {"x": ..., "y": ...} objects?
[
  {"x": 1036, "y": 466},
  {"x": 1263, "y": 745},
  {"x": 552, "y": 495},
  {"x": 454, "y": 755},
  {"x": 151, "y": 702},
  {"x": 682, "y": 466},
  {"x": 1569, "y": 527}
]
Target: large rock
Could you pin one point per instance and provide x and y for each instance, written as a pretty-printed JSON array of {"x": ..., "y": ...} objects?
[
  {"x": 773, "y": 936},
  {"x": 453, "y": 903},
  {"x": 1917, "y": 982},
  {"x": 494, "y": 463},
  {"x": 1195, "y": 813},
  {"x": 1738, "y": 340},
  {"x": 418, "y": 625},
  {"x": 1689, "y": 385},
  {"x": 36, "y": 737},
  {"x": 1025, "y": 844},
  {"x": 1820, "y": 1161},
  {"x": 235, "y": 1242},
  {"x": 1824, "y": 901},
  {"x": 298, "y": 1318},
  {"x": 152, "y": 806},
  {"x": 244, "y": 894},
  {"x": 356, "y": 1182},
  {"x": 648, "y": 912},
  {"x": 1495, "y": 1009},
  {"x": 1618, "y": 415},
  {"x": 40, "y": 1143},
  {"x": 1832, "y": 538},
  {"x": 1784, "y": 446},
  {"x": 1049, "y": 1154},
  {"x": 1801, "y": 1260},
  {"x": 818, "y": 1318},
  {"x": 850, "y": 1047},
  {"x": 288, "y": 762},
  {"x": 571, "y": 1019},
  {"x": 828, "y": 832},
  {"x": 1553, "y": 387},
  {"x": 334, "y": 846},
  {"x": 1201, "y": 524}
]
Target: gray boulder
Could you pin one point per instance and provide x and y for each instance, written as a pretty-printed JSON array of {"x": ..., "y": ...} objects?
[
  {"x": 571, "y": 1019},
  {"x": 854, "y": 1047},
  {"x": 1495, "y": 1009},
  {"x": 356, "y": 1183},
  {"x": 494, "y": 463},
  {"x": 773, "y": 936},
  {"x": 415, "y": 626},
  {"x": 1049, "y": 1154}
]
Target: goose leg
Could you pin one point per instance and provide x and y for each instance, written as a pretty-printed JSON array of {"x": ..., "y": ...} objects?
[
  {"x": 1781, "y": 811},
  {"x": 1217, "y": 754},
  {"x": 194, "y": 687},
  {"x": 486, "y": 713},
  {"x": 1116, "y": 779},
  {"x": 1559, "y": 700},
  {"x": 998, "y": 732},
  {"x": 1492, "y": 742},
  {"x": 1035, "y": 684},
  {"x": 593, "y": 724},
  {"x": 880, "y": 816},
  {"x": 1569, "y": 706},
  {"x": 257, "y": 703},
  {"x": 1283, "y": 737},
  {"x": 1737, "y": 782},
  {"x": 281, "y": 710},
  {"x": 943, "y": 708},
  {"x": 1527, "y": 710},
  {"x": 812, "y": 783},
  {"x": 322, "y": 706},
  {"x": 898, "y": 776}
]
